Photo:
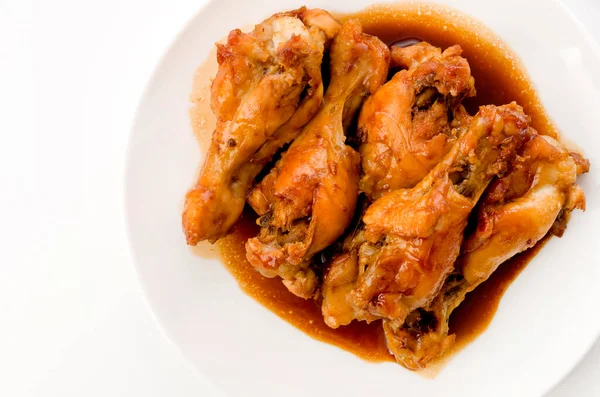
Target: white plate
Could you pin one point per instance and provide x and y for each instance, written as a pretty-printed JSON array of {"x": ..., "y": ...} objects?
[{"x": 546, "y": 321}]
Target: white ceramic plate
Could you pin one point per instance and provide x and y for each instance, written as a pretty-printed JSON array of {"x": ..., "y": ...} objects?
[{"x": 546, "y": 321}]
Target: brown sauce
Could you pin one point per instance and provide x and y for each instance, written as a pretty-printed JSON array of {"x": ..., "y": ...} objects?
[
  {"x": 499, "y": 79},
  {"x": 476, "y": 312},
  {"x": 366, "y": 341}
]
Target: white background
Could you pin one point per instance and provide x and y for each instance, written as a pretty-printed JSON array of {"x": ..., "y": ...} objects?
[{"x": 72, "y": 318}]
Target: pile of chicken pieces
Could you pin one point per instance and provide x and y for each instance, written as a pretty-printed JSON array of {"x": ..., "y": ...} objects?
[{"x": 373, "y": 181}]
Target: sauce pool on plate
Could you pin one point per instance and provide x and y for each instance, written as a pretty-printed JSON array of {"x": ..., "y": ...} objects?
[
  {"x": 500, "y": 78},
  {"x": 364, "y": 340}
]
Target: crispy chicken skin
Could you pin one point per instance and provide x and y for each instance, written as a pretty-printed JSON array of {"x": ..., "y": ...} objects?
[
  {"x": 517, "y": 210},
  {"x": 308, "y": 199},
  {"x": 268, "y": 86},
  {"x": 405, "y": 128}
]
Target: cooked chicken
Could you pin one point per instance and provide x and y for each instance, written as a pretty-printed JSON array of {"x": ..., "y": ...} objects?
[
  {"x": 268, "y": 86},
  {"x": 517, "y": 210},
  {"x": 323, "y": 20},
  {"x": 405, "y": 128},
  {"x": 382, "y": 117},
  {"x": 414, "y": 235},
  {"x": 338, "y": 282},
  {"x": 342, "y": 272},
  {"x": 520, "y": 208},
  {"x": 308, "y": 199},
  {"x": 448, "y": 197},
  {"x": 340, "y": 279},
  {"x": 424, "y": 334}
]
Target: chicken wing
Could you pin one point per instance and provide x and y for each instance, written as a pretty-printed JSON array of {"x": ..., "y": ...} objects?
[
  {"x": 268, "y": 86},
  {"x": 404, "y": 129},
  {"x": 308, "y": 199},
  {"x": 533, "y": 198}
]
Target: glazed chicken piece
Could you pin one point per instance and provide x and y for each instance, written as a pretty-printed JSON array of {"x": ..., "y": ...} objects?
[
  {"x": 424, "y": 334},
  {"x": 308, "y": 199},
  {"x": 339, "y": 278},
  {"x": 533, "y": 198},
  {"x": 338, "y": 282},
  {"x": 414, "y": 235},
  {"x": 405, "y": 128},
  {"x": 403, "y": 105},
  {"x": 342, "y": 272},
  {"x": 520, "y": 208},
  {"x": 268, "y": 86},
  {"x": 314, "y": 18},
  {"x": 411, "y": 237}
]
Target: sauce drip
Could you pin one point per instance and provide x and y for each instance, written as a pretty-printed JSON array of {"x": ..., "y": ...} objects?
[{"x": 500, "y": 78}]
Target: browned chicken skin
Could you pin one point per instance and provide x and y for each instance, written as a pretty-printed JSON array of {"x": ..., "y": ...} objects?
[
  {"x": 412, "y": 237},
  {"x": 520, "y": 208},
  {"x": 342, "y": 272},
  {"x": 340, "y": 280},
  {"x": 405, "y": 127},
  {"x": 308, "y": 199},
  {"x": 517, "y": 210},
  {"x": 268, "y": 86},
  {"x": 428, "y": 169},
  {"x": 396, "y": 98}
]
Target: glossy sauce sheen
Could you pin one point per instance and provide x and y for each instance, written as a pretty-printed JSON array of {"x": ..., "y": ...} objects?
[
  {"x": 499, "y": 79},
  {"x": 365, "y": 340}
]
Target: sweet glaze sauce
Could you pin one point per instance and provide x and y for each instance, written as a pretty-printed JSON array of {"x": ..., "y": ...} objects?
[
  {"x": 475, "y": 313},
  {"x": 366, "y": 341},
  {"x": 499, "y": 79}
]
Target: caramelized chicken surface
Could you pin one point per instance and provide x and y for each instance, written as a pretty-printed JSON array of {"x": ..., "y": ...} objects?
[
  {"x": 342, "y": 271},
  {"x": 419, "y": 207},
  {"x": 405, "y": 128},
  {"x": 518, "y": 209},
  {"x": 308, "y": 199},
  {"x": 340, "y": 279},
  {"x": 394, "y": 107},
  {"x": 268, "y": 86},
  {"x": 412, "y": 237}
]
